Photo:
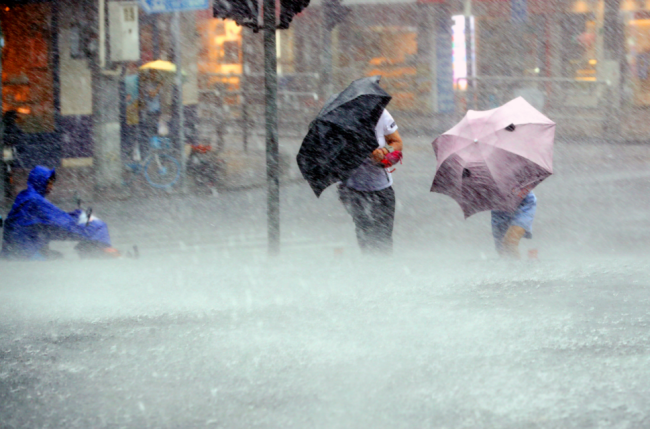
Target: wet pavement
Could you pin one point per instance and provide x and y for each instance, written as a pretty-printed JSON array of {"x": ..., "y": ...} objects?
[{"x": 204, "y": 330}]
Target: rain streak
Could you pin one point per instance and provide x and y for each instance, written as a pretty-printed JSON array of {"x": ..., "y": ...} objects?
[{"x": 324, "y": 213}]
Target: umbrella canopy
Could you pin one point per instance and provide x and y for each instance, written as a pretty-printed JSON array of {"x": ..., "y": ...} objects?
[
  {"x": 159, "y": 65},
  {"x": 343, "y": 134},
  {"x": 492, "y": 159}
]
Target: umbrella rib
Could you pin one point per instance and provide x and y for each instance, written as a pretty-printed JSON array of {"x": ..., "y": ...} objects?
[
  {"x": 468, "y": 140},
  {"x": 486, "y": 123},
  {"x": 494, "y": 111},
  {"x": 498, "y": 146},
  {"x": 515, "y": 154},
  {"x": 490, "y": 169}
]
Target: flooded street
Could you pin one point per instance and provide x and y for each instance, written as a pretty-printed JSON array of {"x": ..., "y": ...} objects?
[{"x": 205, "y": 330}]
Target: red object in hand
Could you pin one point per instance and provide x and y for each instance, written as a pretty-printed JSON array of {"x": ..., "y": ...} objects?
[
  {"x": 392, "y": 158},
  {"x": 201, "y": 148}
]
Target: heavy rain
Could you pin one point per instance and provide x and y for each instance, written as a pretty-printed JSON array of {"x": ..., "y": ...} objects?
[{"x": 325, "y": 213}]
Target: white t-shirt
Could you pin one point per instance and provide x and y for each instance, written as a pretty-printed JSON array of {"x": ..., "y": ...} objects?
[{"x": 370, "y": 176}]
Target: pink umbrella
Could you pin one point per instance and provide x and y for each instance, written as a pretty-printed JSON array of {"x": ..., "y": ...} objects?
[{"x": 492, "y": 159}]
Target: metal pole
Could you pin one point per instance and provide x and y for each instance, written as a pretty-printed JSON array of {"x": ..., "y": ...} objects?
[
  {"x": 156, "y": 38},
  {"x": 244, "y": 114},
  {"x": 106, "y": 112},
  {"x": 3, "y": 170},
  {"x": 180, "y": 132},
  {"x": 612, "y": 69},
  {"x": 244, "y": 87},
  {"x": 326, "y": 53},
  {"x": 101, "y": 9},
  {"x": 469, "y": 54},
  {"x": 272, "y": 165}
]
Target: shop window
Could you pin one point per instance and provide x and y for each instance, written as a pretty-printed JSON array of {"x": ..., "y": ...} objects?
[
  {"x": 580, "y": 53},
  {"x": 638, "y": 55},
  {"x": 579, "y": 45},
  {"x": 388, "y": 51},
  {"x": 27, "y": 83},
  {"x": 392, "y": 45},
  {"x": 285, "y": 51},
  {"x": 220, "y": 56}
]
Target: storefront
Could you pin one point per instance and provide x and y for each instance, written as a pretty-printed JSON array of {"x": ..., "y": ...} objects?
[
  {"x": 380, "y": 40},
  {"x": 409, "y": 44},
  {"x": 636, "y": 17},
  {"x": 30, "y": 81},
  {"x": 585, "y": 42},
  {"x": 231, "y": 74},
  {"x": 220, "y": 59},
  {"x": 156, "y": 43}
]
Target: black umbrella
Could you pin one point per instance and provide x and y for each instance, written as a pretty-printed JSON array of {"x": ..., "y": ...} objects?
[{"x": 343, "y": 134}]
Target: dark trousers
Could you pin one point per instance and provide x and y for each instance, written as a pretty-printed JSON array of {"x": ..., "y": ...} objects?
[{"x": 373, "y": 214}]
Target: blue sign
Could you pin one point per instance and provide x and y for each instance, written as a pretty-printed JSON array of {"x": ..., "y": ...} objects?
[
  {"x": 162, "y": 6},
  {"x": 518, "y": 11}
]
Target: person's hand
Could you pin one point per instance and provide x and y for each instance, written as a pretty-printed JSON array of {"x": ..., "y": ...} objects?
[
  {"x": 378, "y": 154},
  {"x": 392, "y": 158}
]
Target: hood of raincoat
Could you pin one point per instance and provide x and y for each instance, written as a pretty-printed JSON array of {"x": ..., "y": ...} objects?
[{"x": 38, "y": 178}]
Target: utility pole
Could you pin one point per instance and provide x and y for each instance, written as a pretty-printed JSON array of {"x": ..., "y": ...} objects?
[
  {"x": 178, "y": 94},
  {"x": 244, "y": 83},
  {"x": 469, "y": 46},
  {"x": 272, "y": 149},
  {"x": 469, "y": 56},
  {"x": 333, "y": 14},
  {"x": 611, "y": 67},
  {"x": 106, "y": 110},
  {"x": 326, "y": 55},
  {"x": 246, "y": 13}
]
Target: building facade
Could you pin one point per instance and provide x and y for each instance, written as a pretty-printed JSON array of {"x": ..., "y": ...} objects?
[{"x": 583, "y": 62}]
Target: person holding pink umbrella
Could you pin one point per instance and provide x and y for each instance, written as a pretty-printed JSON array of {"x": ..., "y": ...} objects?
[{"x": 492, "y": 160}]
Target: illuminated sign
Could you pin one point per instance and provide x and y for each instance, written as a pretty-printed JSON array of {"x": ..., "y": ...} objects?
[{"x": 459, "y": 51}]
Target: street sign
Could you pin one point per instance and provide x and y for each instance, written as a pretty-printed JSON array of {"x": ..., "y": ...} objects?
[
  {"x": 162, "y": 6},
  {"x": 519, "y": 11}
]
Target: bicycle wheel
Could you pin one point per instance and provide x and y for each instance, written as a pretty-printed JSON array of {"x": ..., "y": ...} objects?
[{"x": 162, "y": 170}]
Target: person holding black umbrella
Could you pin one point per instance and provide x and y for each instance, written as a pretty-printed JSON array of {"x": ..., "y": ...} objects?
[
  {"x": 353, "y": 141},
  {"x": 368, "y": 195}
]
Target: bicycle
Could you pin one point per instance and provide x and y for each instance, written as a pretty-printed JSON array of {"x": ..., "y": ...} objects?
[
  {"x": 159, "y": 168},
  {"x": 11, "y": 160}
]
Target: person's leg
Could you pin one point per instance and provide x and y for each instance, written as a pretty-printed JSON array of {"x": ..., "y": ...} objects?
[
  {"x": 382, "y": 219},
  {"x": 98, "y": 231},
  {"x": 357, "y": 205},
  {"x": 6, "y": 178},
  {"x": 362, "y": 216},
  {"x": 520, "y": 225},
  {"x": 500, "y": 225},
  {"x": 511, "y": 241}
]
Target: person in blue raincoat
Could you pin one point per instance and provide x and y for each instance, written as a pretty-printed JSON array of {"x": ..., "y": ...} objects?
[{"x": 34, "y": 221}]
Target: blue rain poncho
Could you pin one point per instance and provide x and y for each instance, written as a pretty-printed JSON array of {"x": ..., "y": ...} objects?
[{"x": 34, "y": 221}]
